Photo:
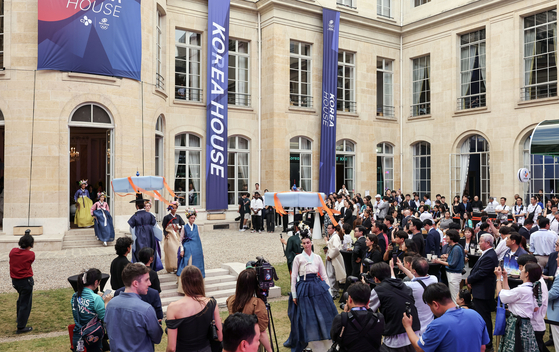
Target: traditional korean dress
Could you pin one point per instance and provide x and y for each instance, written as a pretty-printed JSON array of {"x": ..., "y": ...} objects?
[
  {"x": 171, "y": 243},
  {"x": 142, "y": 226},
  {"x": 83, "y": 217},
  {"x": 190, "y": 242},
  {"x": 104, "y": 229}
]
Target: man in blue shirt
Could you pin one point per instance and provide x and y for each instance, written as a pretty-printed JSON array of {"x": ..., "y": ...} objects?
[
  {"x": 513, "y": 252},
  {"x": 455, "y": 329},
  {"x": 141, "y": 330}
]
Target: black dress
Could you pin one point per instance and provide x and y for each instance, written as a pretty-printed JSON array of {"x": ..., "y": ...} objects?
[{"x": 192, "y": 332}]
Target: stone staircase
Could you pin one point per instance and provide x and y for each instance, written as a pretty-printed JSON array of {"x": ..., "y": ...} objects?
[
  {"x": 85, "y": 238},
  {"x": 220, "y": 284}
]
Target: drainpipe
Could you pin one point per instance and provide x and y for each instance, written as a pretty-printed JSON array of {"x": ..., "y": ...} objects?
[
  {"x": 259, "y": 99},
  {"x": 401, "y": 96}
]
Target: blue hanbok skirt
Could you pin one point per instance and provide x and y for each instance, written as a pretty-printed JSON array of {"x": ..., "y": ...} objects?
[
  {"x": 104, "y": 229},
  {"x": 312, "y": 316}
]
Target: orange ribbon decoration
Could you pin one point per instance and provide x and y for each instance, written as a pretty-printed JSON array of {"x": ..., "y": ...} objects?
[
  {"x": 156, "y": 195},
  {"x": 328, "y": 210},
  {"x": 169, "y": 189},
  {"x": 120, "y": 195},
  {"x": 279, "y": 207}
]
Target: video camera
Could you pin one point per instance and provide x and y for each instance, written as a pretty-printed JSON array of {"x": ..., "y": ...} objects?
[
  {"x": 265, "y": 274},
  {"x": 369, "y": 279}
]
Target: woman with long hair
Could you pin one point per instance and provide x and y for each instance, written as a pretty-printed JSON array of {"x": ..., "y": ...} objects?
[
  {"x": 311, "y": 309},
  {"x": 189, "y": 318},
  {"x": 372, "y": 252},
  {"x": 335, "y": 267},
  {"x": 87, "y": 305},
  {"x": 348, "y": 212},
  {"x": 523, "y": 301},
  {"x": 409, "y": 247},
  {"x": 249, "y": 300},
  {"x": 455, "y": 204}
]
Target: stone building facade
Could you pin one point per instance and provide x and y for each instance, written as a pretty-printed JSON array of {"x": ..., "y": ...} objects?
[{"x": 434, "y": 96}]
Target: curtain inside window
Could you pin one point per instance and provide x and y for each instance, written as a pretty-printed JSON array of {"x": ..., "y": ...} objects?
[{"x": 464, "y": 165}]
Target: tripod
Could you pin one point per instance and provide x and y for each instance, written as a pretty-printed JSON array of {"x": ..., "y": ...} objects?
[{"x": 271, "y": 326}]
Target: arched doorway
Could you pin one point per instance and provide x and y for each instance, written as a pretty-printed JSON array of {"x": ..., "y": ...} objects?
[
  {"x": 385, "y": 167},
  {"x": 470, "y": 169},
  {"x": 91, "y": 152}
]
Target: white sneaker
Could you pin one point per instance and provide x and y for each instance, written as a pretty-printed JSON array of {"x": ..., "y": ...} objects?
[
  {"x": 242, "y": 230},
  {"x": 105, "y": 244},
  {"x": 259, "y": 231}
]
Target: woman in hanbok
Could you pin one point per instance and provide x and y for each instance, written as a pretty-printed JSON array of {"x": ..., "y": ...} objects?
[
  {"x": 190, "y": 252},
  {"x": 104, "y": 229},
  {"x": 311, "y": 309},
  {"x": 172, "y": 224},
  {"x": 83, "y": 217}
]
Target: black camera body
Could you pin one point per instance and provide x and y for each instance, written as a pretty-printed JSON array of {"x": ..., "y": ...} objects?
[{"x": 265, "y": 274}]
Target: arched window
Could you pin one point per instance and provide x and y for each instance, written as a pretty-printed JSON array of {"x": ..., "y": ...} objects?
[
  {"x": 90, "y": 113},
  {"x": 300, "y": 163},
  {"x": 159, "y": 133},
  {"x": 544, "y": 172},
  {"x": 470, "y": 169},
  {"x": 238, "y": 152},
  {"x": 345, "y": 165},
  {"x": 188, "y": 151},
  {"x": 422, "y": 168},
  {"x": 385, "y": 167},
  {"x": 1, "y": 116}
]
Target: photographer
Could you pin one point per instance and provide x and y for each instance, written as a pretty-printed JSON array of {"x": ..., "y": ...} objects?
[
  {"x": 248, "y": 300},
  {"x": 362, "y": 329},
  {"x": 399, "y": 238}
]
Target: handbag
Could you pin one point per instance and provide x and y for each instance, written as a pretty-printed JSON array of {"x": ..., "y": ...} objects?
[
  {"x": 92, "y": 331},
  {"x": 500, "y": 319},
  {"x": 215, "y": 344}
]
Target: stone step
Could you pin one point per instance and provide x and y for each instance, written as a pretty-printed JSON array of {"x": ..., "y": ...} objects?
[
  {"x": 220, "y": 293},
  {"x": 170, "y": 293},
  {"x": 84, "y": 244},
  {"x": 221, "y": 286},
  {"x": 216, "y": 272},
  {"x": 219, "y": 279},
  {"x": 167, "y": 277}
]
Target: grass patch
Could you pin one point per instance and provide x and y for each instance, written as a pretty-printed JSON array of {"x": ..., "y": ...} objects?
[{"x": 51, "y": 311}]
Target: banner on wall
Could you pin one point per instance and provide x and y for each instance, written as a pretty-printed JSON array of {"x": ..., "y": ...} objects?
[
  {"x": 102, "y": 37},
  {"x": 329, "y": 98},
  {"x": 216, "y": 109}
]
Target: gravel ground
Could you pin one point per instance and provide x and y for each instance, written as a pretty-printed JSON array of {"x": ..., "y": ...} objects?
[{"x": 52, "y": 268}]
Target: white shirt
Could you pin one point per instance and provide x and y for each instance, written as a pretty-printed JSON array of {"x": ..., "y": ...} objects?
[
  {"x": 343, "y": 191},
  {"x": 521, "y": 300},
  {"x": 499, "y": 208},
  {"x": 346, "y": 244},
  {"x": 304, "y": 264},
  {"x": 537, "y": 213},
  {"x": 537, "y": 320},
  {"x": 339, "y": 205},
  {"x": 501, "y": 249},
  {"x": 425, "y": 215},
  {"x": 491, "y": 206},
  {"x": 542, "y": 242},
  {"x": 423, "y": 310},
  {"x": 428, "y": 202},
  {"x": 554, "y": 225},
  {"x": 517, "y": 210},
  {"x": 257, "y": 204}
]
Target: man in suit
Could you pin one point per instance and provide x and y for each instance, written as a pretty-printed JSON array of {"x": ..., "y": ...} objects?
[
  {"x": 417, "y": 237},
  {"x": 526, "y": 228},
  {"x": 358, "y": 251},
  {"x": 465, "y": 207},
  {"x": 433, "y": 240},
  {"x": 482, "y": 281}
]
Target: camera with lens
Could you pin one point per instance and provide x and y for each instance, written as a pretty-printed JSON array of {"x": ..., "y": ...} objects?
[{"x": 265, "y": 274}]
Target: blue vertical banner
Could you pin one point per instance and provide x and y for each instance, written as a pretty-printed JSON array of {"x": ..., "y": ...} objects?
[
  {"x": 216, "y": 108},
  {"x": 329, "y": 98}
]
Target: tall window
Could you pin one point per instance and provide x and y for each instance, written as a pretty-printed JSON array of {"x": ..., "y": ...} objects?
[
  {"x": 188, "y": 150},
  {"x": 470, "y": 169},
  {"x": 383, "y": 8},
  {"x": 237, "y": 167},
  {"x": 187, "y": 65},
  {"x": 345, "y": 165},
  {"x": 385, "y": 167},
  {"x": 472, "y": 70},
  {"x": 385, "y": 98},
  {"x": 300, "y": 74},
  {"x": 1, "y": 33},
  {"x": 159, "y": 80},
  {"x": 544, "y": 171},
  {"x": 300, "y": 163},
  {"x": 346, "y": 81},
  {"x": 420, "y": 2},
  {"x": 238, "y": 73},
  {"x": 348, "y": 3},
  {"x": 422, "y": 168},
  {"x": 159, "y": 133},
  {"x": 540, "y": 56},
  {"x": 421, "y": 86}
]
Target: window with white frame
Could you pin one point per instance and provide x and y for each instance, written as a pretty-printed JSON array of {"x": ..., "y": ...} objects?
[
  {"x": 383, "y": 8},
  {"x": 188, "y": 151},
  {"x": 421, "y": 86},
  {"x": 544, "y": 173},
  {"x": 300, "y": 163},
  {"x": 346, "y": 81},
  {"x": 348, "y": 3},
  {"x": 385, "y": 167},
  {"x": 238, "y": 85},
  {"x": 540, "y": 56},
  {"x": 187, "y": 65},
  {"x": 420, "y": 2},
  {"x": 300, "y": 93},
  {"x": 1, "y": 33},
  {"x": 422, "y": 168},
  {"x": 159, "y": 135},
  {"x": 237, "y": 168},
  {"x": 472, "y": 70},
  {"x": 159, "y": 79},
  {"x": 385, "y": 96},
  {"x": 345, "y": 165}
]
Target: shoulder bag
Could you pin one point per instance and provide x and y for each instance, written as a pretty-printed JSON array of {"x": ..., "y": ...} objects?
[
  {"x": 215, "y": 344},
  {"x": 92, "y": 331},
  {"x": 500, "y": 319}
]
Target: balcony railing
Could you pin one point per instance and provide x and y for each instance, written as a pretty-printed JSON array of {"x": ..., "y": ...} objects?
[
  {"x": 421, "y": 109},
  {"x": 189, "y": 94},
  {"x": 350, "y": 5},
  {"x": 304, "y": 101},
  {"x": 159, "y": 81},
  {"x": 346, "y": 106},
  {"x": 385, "y": 111},
  {"x": 239, "y": 99},
  {"x": 540, "y": 91},
  {"x": 471, "y": 102}
]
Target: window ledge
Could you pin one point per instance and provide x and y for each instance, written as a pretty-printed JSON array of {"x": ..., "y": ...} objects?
[
  {"x": 420, "y": 117},
  {"x": 387, "y": 118},
  {"x": 347, "y": 8},
  {"x": 89, "y": 78},
  {"x": 386, "y": 19},
  {"x": 347, "y": 114},
  {"x": 474, "y": 111},
  {"x": 160, "y": 92},
  {"x": 240, "y": 107},
  {"x": 537, "y": 102},
  {"x": 5, "y": 74},
  {"x": 301, "y": 109},
  {"x": 189, "y": 103}
]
